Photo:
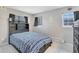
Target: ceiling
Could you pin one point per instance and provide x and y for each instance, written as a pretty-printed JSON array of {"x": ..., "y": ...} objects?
[{"x": 34, "y": 9}]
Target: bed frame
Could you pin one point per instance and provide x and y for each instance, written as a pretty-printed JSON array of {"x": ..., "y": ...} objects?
[
  {"x": 41, "y": 50},
  {"x": 44, "y": 48}
]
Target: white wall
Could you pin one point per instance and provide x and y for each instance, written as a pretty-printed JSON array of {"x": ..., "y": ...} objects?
[
  {"x": 52, "y": 25},
  {"x": 3, "y": 24},
  {"x": 4, "y": 27}
]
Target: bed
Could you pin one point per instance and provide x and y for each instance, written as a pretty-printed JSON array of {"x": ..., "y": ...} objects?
[{"x": 30, "y": 42}]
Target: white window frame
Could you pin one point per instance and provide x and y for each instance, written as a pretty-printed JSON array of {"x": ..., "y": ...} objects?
[{"x": 67, "y": 26}]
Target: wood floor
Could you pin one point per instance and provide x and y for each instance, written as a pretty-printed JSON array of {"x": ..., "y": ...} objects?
[
  {"x": 54, "y": 48},
  {"x": 60, "y": 48}
]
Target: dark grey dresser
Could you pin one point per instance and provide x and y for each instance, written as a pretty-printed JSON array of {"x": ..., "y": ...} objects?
[
  {"x": 76, "y": 37},
  {"x": 76, "y": 32}
]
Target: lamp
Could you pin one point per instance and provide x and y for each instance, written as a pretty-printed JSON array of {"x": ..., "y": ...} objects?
[{"x": 10, "y": 19}]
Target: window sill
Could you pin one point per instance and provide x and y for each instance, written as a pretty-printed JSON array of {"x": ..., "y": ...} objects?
[{"x": 67, "y": 26}]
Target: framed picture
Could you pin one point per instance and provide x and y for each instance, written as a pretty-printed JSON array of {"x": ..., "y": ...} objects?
[{"x": 38, "y": 21}]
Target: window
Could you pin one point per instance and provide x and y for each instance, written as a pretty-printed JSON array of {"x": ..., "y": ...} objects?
[{"x": 68, "y": 19}]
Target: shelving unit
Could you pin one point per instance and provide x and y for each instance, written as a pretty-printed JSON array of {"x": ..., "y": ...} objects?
[{"x": 18, "y": 24}]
